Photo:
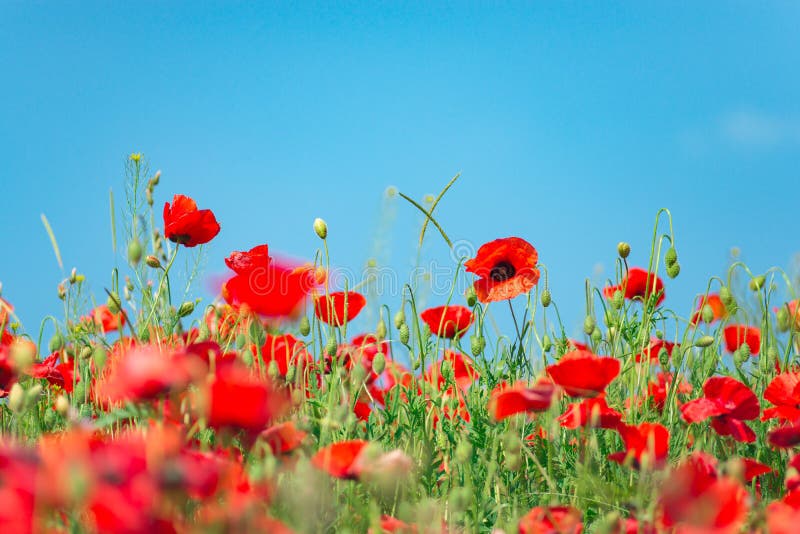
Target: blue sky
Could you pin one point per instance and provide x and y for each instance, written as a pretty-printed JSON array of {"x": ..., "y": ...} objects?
[{"x": 572, "y": 123}]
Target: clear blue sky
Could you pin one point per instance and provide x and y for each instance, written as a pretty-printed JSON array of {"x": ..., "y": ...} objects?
[{"x": 571, "y": 122}]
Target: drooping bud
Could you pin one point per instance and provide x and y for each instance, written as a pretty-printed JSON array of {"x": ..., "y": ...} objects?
[
  {"x": 588, "y": 324},
  {"x": 705, "y": 341},
  {"x": 546, "y": 298},
  {"x": 291, "y": 371},
  {"x": 476, "y": 344},
  {"x": 623, "y": 249},
  {"x": 305, "y": 326},
  {"x": 708, "y": 314},
  {"x": 186, "y": 309},
  {"x": 272, "y": 370},
  {"x": 725, "y": 296},
  {"x": 404, "y": 334},
  {"x": 378, "y": 363},
  {"x": 153, "y": 262},
  {"x": 247, "y": 357},
  {"x": 331, "y": 347},
  {"x": 547, "y": 344},
  {"x": 472, "y": 298},
  {"x": 782, "y": 316},
  {"x": 56, "y": 342},
  {"x": 674, "y": 270},
  {"x": 380, "y": 329},
  {"x": 320, "y": 228},
  {"x": 399, "y": 318},
  {"x": 134, "y": 252},
  {"x": 757, "y": 283},
  {"x": 618, "y": 299},
  {"x": 671, "y": 257},
  {"x": 113, "y": 302}
]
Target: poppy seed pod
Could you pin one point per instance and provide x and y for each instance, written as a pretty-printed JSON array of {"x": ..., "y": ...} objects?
[
  {"x": 320, "y": 228},
  {"x": 152, "y": 262},
  {"x": 671, "y": 257},
  {"x": 134, "y": 252},
  {"x": 623, "y": 249},
  {"x": 547, "y": 298},
  {"x": 305, "y": 326}
]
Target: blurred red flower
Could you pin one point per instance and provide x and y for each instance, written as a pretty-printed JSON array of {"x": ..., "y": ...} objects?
[
  {"x": 717, "y": 308},
  {"x": 551, "y": 520},
  {"x": 339, "y": 307},
  {"x": 583, "y": 374},
  {"x": 105, "y": 319},
  {"x": 647, "y": 443},
  {"x": 187, "y": 225},
  {"x": 505, "y": 268},
  {"x": 464, "y": 372},
  {"x": 737, "y": 335},
  {"x": 284, "y": 437},
  {"x": 285, "y": 350},
  {"x": 593, "y": 412},
  {"x": 638, "y": 284},
  {"x": 448, "y": 321},
  {"x": 506, "y": 401},
  {"x": 236, "y": 399},
  {"x": 728, "y": 403},
  {"x": 784, "y": 392},
  {"x": 338, "y": 459},
  {"x": 61, "y": 375}
]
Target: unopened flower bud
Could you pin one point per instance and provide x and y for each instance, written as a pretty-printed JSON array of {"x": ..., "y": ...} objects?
[
  {"x": 378, "y": 363},
  {"x": 588, "y": 324},
  {"x": 247, "y": 357},
  {"x": 156, "y": 177},
  {"x": 617, "y": 299},
  {"x": 547, "y": 344},
  {"x": 707, "y": 314},
  {"x": 358, "y": 375},
  {"x": 331, "y": 347},
  {"x": 134, "y": 252},
  {"x": 404, "y": 334},
  {"x": 663, "y": 358},
  {"x": 99, "y": 357},
  {"x": 16, "y": 398},
  {"x": 399, "y": 318},
  {"x": 546, "y": 298},
  {"x": 305, "y": 326},
  {"x": 56, "y": 342},
  {"x": 596, "y": 335},
  {"x": 705, "y": 341},
  {"x": 757, "y": 283},
  {"x": 320, "y": 228},
  {"x": 782, "y": 316},
  {"x": 671, "y": 257},
  {"x": 113, "y": 302},
  {"x": 725, "y": 296},
  {"x": 186, "y": 309},
  {"x": 152, "y": 262},
  {"x": 380, "y": 330},
  {"x": 291, "y": 372},
  {"x": 272, "y": 370},
  {"x": 241, "y": 341},
  {"x": 476, "y": 344},
  {"x": 472, "y": 298},
  {"x": 62, "y": 405},
  {"x": 85, "y": 353},
  {"x": 425, "y": 333},
  {"x": 674, "y": 270},
  {"x": 623, "y": 249}
]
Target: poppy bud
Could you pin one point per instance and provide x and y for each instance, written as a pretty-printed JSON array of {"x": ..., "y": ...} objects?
[
  {"x": 113, "y": 302},
  {"x": 513, "y": 461},
  {"x": 186, "y": 309},
  {"x": 663, "y": 358},
  {"x": 623, "y": 249},
  {"x": 241, "y": 341},
  {"x": 152, "y": 262},
  {"x": 446, "y": 369},
  {"x": 782, "y": 316},
  {"x": 674, "y": 270},
  {"x": 56, "y": 342},
  {"x": 596, "y": 336},
  {"x": 291, "y": 370},
  {"x": 472, "y": 298},
  {"x": 358, "y": 375},
  {"x": 99, "y": 358},
  {"x": 618, "y": 299},
  {"x": 476, "y": 345},
  {"x": 247, "y": 357},
  {"x": 330, "y": 347},
  {"x": 380, "y": 330},
  {"x": 156, "y": 177},
  {"x": 707, "y": 314},
  {"x": 399, "y": 318},
  {"x": 62, "y": 405},
  {"x": 426, "y": 334},
  {"x": 546, "y": 343},
  {"x": 772, "y": 354},
  {"x": 463, "y": 452},
  {"x": 741, "y": 354},
  {"x": 272, "y": 370},
  {"x": 725, "y": 296},
  {"x": 16, "y": 398},
  {"x": 460, "y": 498},
  {"x": 203, "y": 332},
  {"x": 305, "y": 326},
  {"x": 257, "y": 333},
  {"x": 757, "y": 283},
  {"x": 588, "y": 324},
  {"x": 671, "y": 257},
  {"x": 320, "y": 228},
  {"x": 378, "y": 363},
  {"x": 404, "y": 333},
  {"x": 546, "y": 298},
  {"x": 134, "y": 252},
  {"x": 85, "y": 353},
  {"x": 705, "y": 341}
]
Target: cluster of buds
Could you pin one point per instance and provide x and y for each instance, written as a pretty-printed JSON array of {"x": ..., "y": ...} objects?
[{"x": 151, "y": 185}]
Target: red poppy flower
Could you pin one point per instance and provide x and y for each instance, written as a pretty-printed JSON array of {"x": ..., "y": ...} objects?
[
  {"x": 448, "y": 321},
  {"x": 729, "y": 403},
  {"x": 338, "y": 459},
  {"x": 782, "y": 518},
  {"x": 464, "y": 372},
  {"x": 506, "y": 401},
  {"x": 8, "y": 370},
  {"x": 363, "y": 349},
  {"x": 339, "y": 307},
  {"x": 236, "y": 399},
  {"x": 647, "y": 443},
  {"x": 187, "y": 225},
  {"x": 583, "y": 374},
  {"x": 638, "y": 284},
  {"x": 717, "y": 308},
  {"x": 505, "y": 268},
  {"x": 269, "y": 286},
  {"x": 784, "y": 392},
  {"x": 284, "y": 437},
  {"x": 551, "y": 520},
  {"x": 737, "y": 335},
  {"x": 698, "y": 500},
  {"x": 61, "y": 375},
  {"x": 592, "y": 412},
  {"x": 659, "y": 389},
  {"x": 754, "y": 469},
  {"x": 392, "y": 525},
  {"x": 107, "y": 321},
  {"x": 785, "y": 436},
  {"x": 653, "y": 351},
  {"x": 6, "y": 309},
  {"x": 286, "y": 350}
]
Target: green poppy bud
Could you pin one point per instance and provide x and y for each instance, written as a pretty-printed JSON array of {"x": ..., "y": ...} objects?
[
  {"x": 463, "y": 452},
  {"x": 16, "y": 398},
  {"x": 472, "y": 298},
  {"x": 399, "y": 318},
  {"x": 380, "y": 330},
  {"x": 241, "y": 341},
  {"x": 272, "y": 370},
  {"x": 476, "y": 344},
  {"x": 291, "y": 371},
  {"x": 257, "y": 333},
  {"x": 671, "y": 257},
  {"x": 85, "y": 353},
  {"x": 378, "y": 363},
  {"x": 99, "y": 358},
  {"x": 152, "y": 262},
  {"x": 772, "y": 355},
  {"x": 659, "y": 334},
  {"x": 134, "y": 252},
  {"x": 546, "y": 298},
  {"x": 56, "y": 342},
  {"x": 113, "y": 302},
  {"x": 725, "y": 296},
  {"x": 305, "y": 326},
  {"x": 547, "y": 344},
  {"x": 663, "y": 358},
  {"x": 247, "y": 357},
  {"x": 707, "y": 314},
  {"x": 404, "y": 333},
  {"x": 623, "y": 249},
  {"x": 513, "y": 461},
  {"x": 783, "y": 319},
  {"x": 674, "y": 270},
  {"x": 596, "y": 336},
  {"x": 705, "y": 341},
  {"x": 320, "y": 228},
  {"x": 426, "y": 334},
  {"x": 588, "y": 324},
  {"x": 757, "y": 283},
  {"x": 331, "y": 347},
  {"x": 186, "y": 309},
  {"x": 618, "y": 299},
  {"x": 203, "y": 332},
  {"x": 446, "y": 369}
]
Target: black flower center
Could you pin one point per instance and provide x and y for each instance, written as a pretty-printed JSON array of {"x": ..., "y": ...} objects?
[{"x": 502, "y": 271}]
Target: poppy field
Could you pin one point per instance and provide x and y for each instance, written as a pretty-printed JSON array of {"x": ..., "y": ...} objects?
[{"x": 265, "y": 409}]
